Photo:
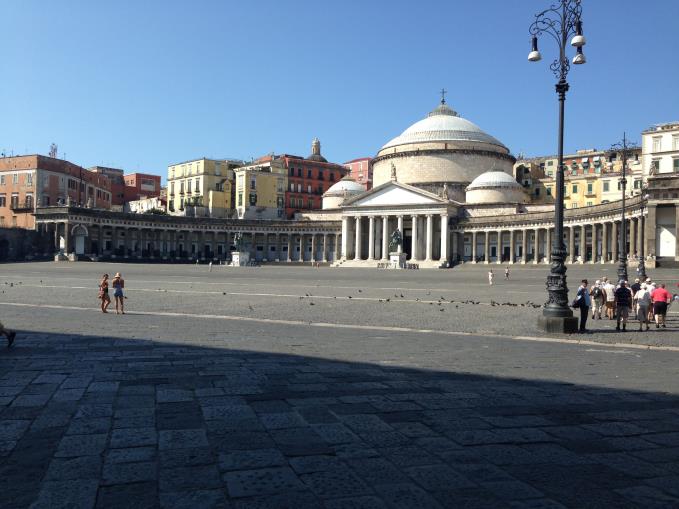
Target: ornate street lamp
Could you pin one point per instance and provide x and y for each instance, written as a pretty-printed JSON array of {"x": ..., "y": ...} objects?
[
  {"x": 624, "y": 148},
  {"x": 559, "y": 21},
  {"x": 642, "y": 256}
]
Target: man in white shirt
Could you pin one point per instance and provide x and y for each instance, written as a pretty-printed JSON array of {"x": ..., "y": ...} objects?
[{"x": 609, "y": 288}]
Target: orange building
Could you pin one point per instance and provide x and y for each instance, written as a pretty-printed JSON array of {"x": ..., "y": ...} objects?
[{"x": 34, "y": 180}]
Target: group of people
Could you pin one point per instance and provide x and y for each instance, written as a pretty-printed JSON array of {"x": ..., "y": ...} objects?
[
  {"x": 648, "y": 301},
  {"x": 117, "y": 283}
]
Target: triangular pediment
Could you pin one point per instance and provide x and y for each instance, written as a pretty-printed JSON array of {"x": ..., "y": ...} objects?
[{"x": 393, "y": 193}]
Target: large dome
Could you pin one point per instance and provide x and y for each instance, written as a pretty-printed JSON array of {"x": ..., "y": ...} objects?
[
  {"x": 443, "y": 124},
  {"x": 440, "y": 150},
  {"x": 494, "y": 179}
]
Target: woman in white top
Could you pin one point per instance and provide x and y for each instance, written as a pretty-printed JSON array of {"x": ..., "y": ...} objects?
[{"x": 643, "y": 301}]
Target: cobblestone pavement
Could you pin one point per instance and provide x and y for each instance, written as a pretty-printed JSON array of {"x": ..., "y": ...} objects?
[{"x": 190, "y": 404}]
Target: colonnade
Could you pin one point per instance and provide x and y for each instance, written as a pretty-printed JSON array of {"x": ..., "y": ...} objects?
[
  {"x": 585, "y": 242},
  {"x": 425, "y": 237},
  {"x": 126, "y": 241}
]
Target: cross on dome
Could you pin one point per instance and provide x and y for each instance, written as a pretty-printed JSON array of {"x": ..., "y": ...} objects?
[{"x": 443, "y": 95}]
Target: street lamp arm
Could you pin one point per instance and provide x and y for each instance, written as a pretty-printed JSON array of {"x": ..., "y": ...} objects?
[{"x": 560, "y": 22}]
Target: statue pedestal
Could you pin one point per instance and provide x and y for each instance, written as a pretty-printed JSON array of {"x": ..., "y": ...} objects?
[
  {"x": 239, "y": 258},
  {"x": 397, "y": 260}
]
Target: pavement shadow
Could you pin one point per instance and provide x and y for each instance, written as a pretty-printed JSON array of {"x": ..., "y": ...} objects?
[{"x": 108, "y": 422}]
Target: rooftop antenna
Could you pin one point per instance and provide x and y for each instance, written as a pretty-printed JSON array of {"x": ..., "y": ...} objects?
[{"x": 53, "y": 150}]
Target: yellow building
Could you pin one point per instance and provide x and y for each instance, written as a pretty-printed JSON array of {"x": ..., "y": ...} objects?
[
  {"x": 202, "y": 187},
  {"x": 591, "y": 177},
  {"x": 260, "y": 189}
]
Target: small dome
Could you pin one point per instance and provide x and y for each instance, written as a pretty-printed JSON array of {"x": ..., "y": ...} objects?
[
  {"x": 345, "y": 186},
  {"x": 494, "y": 179}
]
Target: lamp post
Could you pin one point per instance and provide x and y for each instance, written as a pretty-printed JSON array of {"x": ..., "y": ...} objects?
[
  {"x": 559, "y": 21},
  {"x": 642, "y": 255},
  {"x": 624, "y": 148}
]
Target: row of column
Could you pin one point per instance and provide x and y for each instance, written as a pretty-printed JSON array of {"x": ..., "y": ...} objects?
[
  {"x": 585, "y": 243},
  {"x": 423, "y": 230},
  {"x": 203, "y": 244}
]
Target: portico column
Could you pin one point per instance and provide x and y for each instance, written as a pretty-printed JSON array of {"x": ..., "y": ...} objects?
[
  {"x": 632, "y": 236},
  {"x": 335, "y": 247},
  {"x": 536, "y": 246},
  {"x": 548, "y": 245},
  {"x": 345, "y": 237},
  {"x": 289, "y": 247},
  {"x": 399, "y": 249},
  {"x": 385, "y": 238},
  {"x": 301, "y": 247},
  {"x": 474, "y": 247},
  {"x": 604, "y": 242},
  {"x": 357, "y": 248},
  {"x": 57, "y": 244},
  {"x": 444, "y": 238},
  {"x": 640, "y": 234},
  {"x": 583, "y": 243},
  {"x": 571, "y": 243},
  {"x": 455, "y": 245},
  {"x": 614, "y": 242},
  {"x": 524, "y": 246},
  {"x": 430, "y": 238},
  {"x": 498, "y": 253},
  {"x": 314, "y": 247},
  {"x": 371, "y": 238},
  {"x": 67, "y": 244},
  {"x": 486, "y": 247},
  {"x": 511, "y": 246},
  {"x": 595, "y": 244},
  {"x": 415, "y": 241},
  {"x": 325, "y": 247}
]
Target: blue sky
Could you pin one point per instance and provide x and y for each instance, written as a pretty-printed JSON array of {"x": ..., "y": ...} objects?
[{"x": 140, "y": 85}]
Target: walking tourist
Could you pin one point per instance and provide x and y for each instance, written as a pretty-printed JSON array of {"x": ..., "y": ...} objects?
[
  {"x": 118, "y": 284},
  {"x": 650, "y": 286},
  {"x": 598, "y": 299},
  {"x": 507, "y": 273},
  {"x": 623, "y": 304},
  {"x": 609, "y": 289},
  {"x": 490, "y": 277},
  {"x": 661, "y": 298},
  {"x": 583, "y": 302},
  {"x": 635, "y": 287},
  {"x": 103, "y": 293},
  {"x": 643, "y": 303},
  {"x": 9, "y": 334}
]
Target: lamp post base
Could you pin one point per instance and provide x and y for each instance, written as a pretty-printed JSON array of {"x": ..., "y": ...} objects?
[{"x": 558, "y": 324}]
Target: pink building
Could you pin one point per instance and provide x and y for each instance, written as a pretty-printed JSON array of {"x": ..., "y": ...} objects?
[{"x": 361, "y": 171}]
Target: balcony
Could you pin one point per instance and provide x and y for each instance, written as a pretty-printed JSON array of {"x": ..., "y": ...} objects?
[{"x": 26, "y": 206}]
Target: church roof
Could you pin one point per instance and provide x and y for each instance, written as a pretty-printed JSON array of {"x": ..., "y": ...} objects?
[
  {"x": 442, "y": 124},
  {"x": 345, "y": 185},
  {"x": 493, "y": 179}
]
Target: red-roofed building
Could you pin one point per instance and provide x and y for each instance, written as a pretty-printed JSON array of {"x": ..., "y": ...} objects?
[{"x": 308, "y": 179}]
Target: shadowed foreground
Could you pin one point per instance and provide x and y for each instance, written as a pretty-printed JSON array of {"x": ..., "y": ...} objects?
[{"x": 111, "y": 422}]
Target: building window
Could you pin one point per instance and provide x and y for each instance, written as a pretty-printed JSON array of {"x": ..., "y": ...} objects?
[
  {"x": 657, "y": 143},
  {"x": 575, "y": 189},
  {"x": 171, "y": 187},
  {"x": 253, "y": 182},
  {"x": 590, "y": 188},
  {"x": 589, "y": 203},
  {"x": 675, "y": 165},
  {"x": 14, "y": 200},
  {"x": 675, "y": 142},
  {"x": 29, "y": 179},
  {"x": 308, "y": 173},
  {"x": 292, "y": 172},
  {"x": 320, "y": 175},
  {"x": 606, "y": 187},
  {"x": 550, "y": 163},
  {"x": 2, "y": 180},
  {"x": 637, "y": 184},
  {"x": 332, "y": 177},
  {"x": 299, "y": 188},
  {"x": 549, "y": 191},
  {"x": 537, "y": 191},
  {"x": 299, "y": 172},
  {"x": 14, "y": 220},
  {"x": 197, "y": 184},
  {"x": 308, "y": 188},
  {"x": 574, "y": 205},
  {"x": 15, "y": 178},
  {"x": 292, "y": 187},
  {"x": 3, "y": 200},
  {"x": 253, "y": 198},
  {"x": 240, "y": 199},
  {"x": 310, "y": 203}
]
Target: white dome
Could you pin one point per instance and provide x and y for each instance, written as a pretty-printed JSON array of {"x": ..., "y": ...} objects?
[
  {"x": 494, "y": 179},
  {"x": 344, "y": 186},
  {"x": 443, "y": 124}
]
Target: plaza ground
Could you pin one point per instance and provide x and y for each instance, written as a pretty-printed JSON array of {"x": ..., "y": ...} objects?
[{"x": 302, "y": 387}]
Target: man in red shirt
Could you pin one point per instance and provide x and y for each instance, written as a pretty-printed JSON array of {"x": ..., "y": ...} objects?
[{"x": 661, "y": 298}]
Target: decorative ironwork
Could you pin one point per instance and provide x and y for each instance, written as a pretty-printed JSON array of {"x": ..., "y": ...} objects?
[{"x": 560, "y": 21}]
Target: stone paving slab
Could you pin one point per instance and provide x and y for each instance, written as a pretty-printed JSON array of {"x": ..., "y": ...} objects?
[{"x": 188, "y": 412}]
